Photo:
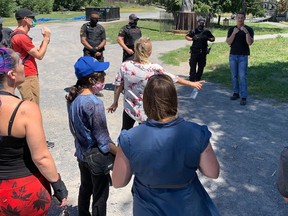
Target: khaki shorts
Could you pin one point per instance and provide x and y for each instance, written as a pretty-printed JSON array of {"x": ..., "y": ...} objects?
[{"x": 29, "y": 89}]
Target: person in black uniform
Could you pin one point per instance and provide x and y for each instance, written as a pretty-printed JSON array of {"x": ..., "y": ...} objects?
[
  {"x": 200, "y": 36},
  {"x": 93, "y": 37},
  {"x": 127, "y": 36},
  {"x": 4, "y": 34}
]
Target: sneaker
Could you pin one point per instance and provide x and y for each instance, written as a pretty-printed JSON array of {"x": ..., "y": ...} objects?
[
  {"x": 235, "y": 96},
  {"x": 243, "y": 101}
]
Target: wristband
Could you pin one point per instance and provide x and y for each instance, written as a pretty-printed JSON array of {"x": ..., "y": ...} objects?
[{"x": 59, "y": 188}]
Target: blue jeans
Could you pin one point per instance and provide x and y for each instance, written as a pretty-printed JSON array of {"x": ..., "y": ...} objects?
[{"x": 239, "y": 68}]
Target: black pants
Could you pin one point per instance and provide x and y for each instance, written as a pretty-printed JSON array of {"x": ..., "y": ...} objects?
[
  {"x": 127, "y": 56},
  {"x": 127, "y": 121},
  {"x": 97, "y": 186},
  {"x": 197, "y": 59}
]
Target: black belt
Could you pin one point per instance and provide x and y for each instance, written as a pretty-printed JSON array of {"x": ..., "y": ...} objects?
[{"x": 173, "y": 186}]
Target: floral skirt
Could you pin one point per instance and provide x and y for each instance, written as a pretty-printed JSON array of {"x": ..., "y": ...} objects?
[{"x": 30, "y": 195}]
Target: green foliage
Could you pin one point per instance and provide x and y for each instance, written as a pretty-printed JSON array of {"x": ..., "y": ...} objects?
[
  {"x": 7, "y": 7},
  {"x": 74, "y": 5},
  {"x": 40, "y": 6}
]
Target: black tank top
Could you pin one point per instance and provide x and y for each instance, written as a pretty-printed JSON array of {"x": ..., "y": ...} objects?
[{"x": 15, "y": 156}]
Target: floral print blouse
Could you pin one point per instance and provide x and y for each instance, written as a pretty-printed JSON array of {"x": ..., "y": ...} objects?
[{"x": 134, "y": 76}]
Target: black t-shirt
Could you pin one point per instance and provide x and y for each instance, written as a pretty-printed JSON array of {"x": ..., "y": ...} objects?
[
  {"x": 202, "y": 41},
  {"x": 239, "y": 45}
]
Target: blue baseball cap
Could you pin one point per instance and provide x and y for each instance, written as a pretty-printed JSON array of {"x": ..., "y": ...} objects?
[{"x": 87, "y": 65}]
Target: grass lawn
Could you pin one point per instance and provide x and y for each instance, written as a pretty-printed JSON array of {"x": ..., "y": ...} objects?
[{"x": 267, "y": 72}]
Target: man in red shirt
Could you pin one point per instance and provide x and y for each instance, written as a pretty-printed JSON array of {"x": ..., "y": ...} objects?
[{"x": 22, "y": 44}]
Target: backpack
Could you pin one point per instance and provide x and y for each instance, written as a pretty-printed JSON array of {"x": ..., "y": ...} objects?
[{"x": 7, "y": 37}]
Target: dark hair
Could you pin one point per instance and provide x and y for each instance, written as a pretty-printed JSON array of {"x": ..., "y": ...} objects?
[
  {"x": 160, "y": 97},
  {"x": 241, "y": 13},
  {"x": 94, "y": 12},
  {"x": 84, "y": 82}
]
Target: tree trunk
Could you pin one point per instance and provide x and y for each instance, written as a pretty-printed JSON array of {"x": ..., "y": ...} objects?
[
  {"x": 219, "y": 19},
  {"x": 187, "y": 5}
]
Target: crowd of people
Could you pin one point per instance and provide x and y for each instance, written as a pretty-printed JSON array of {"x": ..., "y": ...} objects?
[{"x": 161, "y": 177}]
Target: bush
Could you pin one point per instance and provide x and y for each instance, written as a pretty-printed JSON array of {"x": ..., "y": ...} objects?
[
  {"x": 7, "y": 7},
  {"x": 40, "y": 6}
]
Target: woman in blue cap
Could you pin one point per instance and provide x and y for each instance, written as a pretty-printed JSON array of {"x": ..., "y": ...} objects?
[{"x": 89, "y": 128}]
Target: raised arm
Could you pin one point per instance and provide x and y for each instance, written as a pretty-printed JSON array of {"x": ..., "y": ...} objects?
[
  {"x": 230, "y": 38},
  {"x": 39, "y": 53},
  {"x": 209, "y": 165}
]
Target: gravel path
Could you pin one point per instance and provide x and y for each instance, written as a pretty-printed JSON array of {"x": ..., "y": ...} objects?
[{"x": 247, "y": 139}]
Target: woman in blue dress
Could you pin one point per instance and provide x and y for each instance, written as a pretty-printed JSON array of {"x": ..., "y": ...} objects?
[{"x": 164, "y": 153}]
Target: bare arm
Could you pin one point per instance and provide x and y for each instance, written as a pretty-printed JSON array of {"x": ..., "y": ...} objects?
[
  {"x": 211, "y": 39},
  {"x": 37, "y": 142},
  {"x": 197, "y": 85},
  {"x": 39, "y": 53},
  {"x": 249, "y": 39},
  {"x": 85, "y": 43},
  {"x": 120, "y": 41},
  {"x": 188, "y": 38},
  {"x": 209, "y": 165},
  {"x": 229, "y": 40},
  {"x": 121, "y": 174},
  {"x": 117, "y": 91}
]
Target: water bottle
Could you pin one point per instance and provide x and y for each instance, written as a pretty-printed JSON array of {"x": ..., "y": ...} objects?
[{"x": 194, "y": 93}]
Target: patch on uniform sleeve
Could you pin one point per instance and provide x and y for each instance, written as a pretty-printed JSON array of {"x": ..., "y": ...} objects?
[{"x": 81, "y": 32}]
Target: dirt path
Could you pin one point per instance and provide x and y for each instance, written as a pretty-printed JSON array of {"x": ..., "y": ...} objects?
[{"x": 247, "y": 139}]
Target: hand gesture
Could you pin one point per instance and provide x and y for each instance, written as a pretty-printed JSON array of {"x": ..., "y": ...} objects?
[
  {"x": 46, "y": 32},
  {"x": 112, "y": 108},
  {"x": 198, "y": 84},
  {"x": 235, "y": 30},
  {"x": 244, "y": 29}
]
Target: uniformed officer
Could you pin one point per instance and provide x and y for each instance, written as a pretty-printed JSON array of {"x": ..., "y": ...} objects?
[
  {"x": 127, "y": 36},
  {"x": 199, "y": 49},
  {"x": 93, "y": 37},
  {"x": 4, "y": 34}
]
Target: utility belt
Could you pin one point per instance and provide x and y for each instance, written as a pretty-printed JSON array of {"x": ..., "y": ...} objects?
[{"x": 196, "y": 50}]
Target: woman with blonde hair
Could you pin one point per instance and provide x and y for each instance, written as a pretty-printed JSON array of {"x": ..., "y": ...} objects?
[
  {"x": 27, "y": 168},
  {"x": 133, "y": 76}
]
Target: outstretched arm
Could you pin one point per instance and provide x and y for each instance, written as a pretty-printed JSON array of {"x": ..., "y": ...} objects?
[{"x": 197, "y": 85}]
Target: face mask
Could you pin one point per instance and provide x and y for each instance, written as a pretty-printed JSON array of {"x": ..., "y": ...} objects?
[
  {"x": 96, "y": 88},
  {"x": 94, "y": 21},
  {"x": 34, "y": 23},
  {"x": 133, "y": 24}
]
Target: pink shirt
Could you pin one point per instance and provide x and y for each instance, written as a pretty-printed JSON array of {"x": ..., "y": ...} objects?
[{"x": 135, "y": 75}]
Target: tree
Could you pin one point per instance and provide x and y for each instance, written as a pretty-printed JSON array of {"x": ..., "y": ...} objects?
[
  {"x": 40, "y": 6},
  {"x": 187, "y": 5},
  {"x": 7, "y": 7}
]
